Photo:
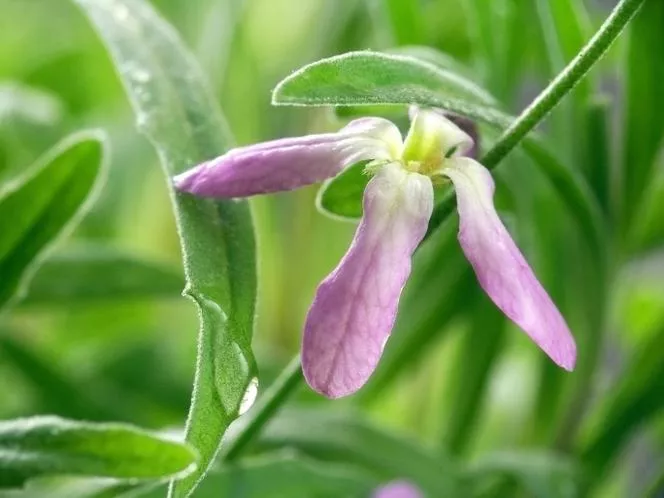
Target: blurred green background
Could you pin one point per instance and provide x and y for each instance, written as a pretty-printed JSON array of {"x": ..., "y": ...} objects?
[{"x": 108, "y": 345}]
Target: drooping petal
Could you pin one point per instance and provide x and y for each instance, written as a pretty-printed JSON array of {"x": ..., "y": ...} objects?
[
  {"x": 289, "y": 163},
  {"x": 500, "y": 267},
  {"x": 398, "y": 489},
  {"x": 355, "y": 306}
]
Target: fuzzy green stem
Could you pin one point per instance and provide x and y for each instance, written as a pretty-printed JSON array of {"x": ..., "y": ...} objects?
[
  {"x": 564, "y": 82},
  {"x": 551, "y": 95}
]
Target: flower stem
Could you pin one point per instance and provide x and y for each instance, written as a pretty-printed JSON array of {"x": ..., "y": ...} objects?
[
  {"x": 564, "y": 82},
  {"x": 282, "y": 388},
  {"x": 292, "y": 377}
]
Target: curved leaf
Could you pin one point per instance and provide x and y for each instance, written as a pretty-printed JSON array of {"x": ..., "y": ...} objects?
[
  {"x": 46, "y": 203},
  {"x": 97, "y": 273},
  {"x": 277, "y": 476},
  {"x": 369, "y": 78},
  {"x": 175, "y": 109},
  {"x": 42, "y": 446},
  {"x": 337, "y": 437}
]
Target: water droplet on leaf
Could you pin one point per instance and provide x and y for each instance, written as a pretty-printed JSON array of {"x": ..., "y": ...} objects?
[{"x": 249, "y": 396}]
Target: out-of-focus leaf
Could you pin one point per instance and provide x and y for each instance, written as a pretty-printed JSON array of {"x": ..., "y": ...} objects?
[
  {"x": 572, "y": 24},
  {"x": 405, "y": 19},
  {"x": 480, "y": 349},
  {"x": 97, "y": 273},
  {"x": 598, "y": 168},
  {"x": 53, "y": 391},
  {"x": 648, "y": 227},
  {"x": 644, "y": 120},
  {"x": 347, "y": 438},
  {"x": 44, "y": 204},
  {"x": 175, "y": 109},
  {"x": 633, "y": 401},
  {"x": 18, "y": 101},
  {"x": 279, "y": 477},
  {"x": 40, "y": 446},
  {"x": 575, "y": 193},
  {"x": 541, "y": 475},
  {"x": 366, "y": 78},
  {"x": 491, "y": 26}
]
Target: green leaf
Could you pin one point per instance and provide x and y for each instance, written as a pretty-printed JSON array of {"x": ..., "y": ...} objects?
[
  {"x": 175, "y": 109},
  {"x": 540, "y": 474},
  {"x": 405, "y": 19},
  {"x": 478, "y": 356},
  {"x": 52, "y": 389},
  {"x": 41, "y": 446},
  {"x": 643, "y": 121},
  {"x": 73, "y": 276},
  {"x": 347, "y": 438},
  {"x": 369, "y": 78},
  {"x": 632, "y": 402},
  {"x": 341, "y": 196},
  {"x": 18, "y": 101},
  {"x": 46, "y": 203},
  {"x": 280, "y": 476}
]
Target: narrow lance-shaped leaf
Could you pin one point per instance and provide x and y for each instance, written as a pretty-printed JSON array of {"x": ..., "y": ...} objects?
[
  {"x": 41, "y": 446},
  {"x": 74, "y": 276},
  {"x": 366, "y": 78},
  {"x": 644, "y": 119},
  {"x": 336, "y": 437},
  {"x": 277, "y": 476},
  {"x": 44, "y": 204},
  {"x": 175, "y": 109}
]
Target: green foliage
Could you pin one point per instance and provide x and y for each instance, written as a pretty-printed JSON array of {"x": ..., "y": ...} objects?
[
  {"x": 348, "y": 439},
  {"x": 644, "y": 125},
  {"x": 366, "y": 78},
  {"x": 73, "y": 276},
  {"x": 279, "y": 476},
  {"x": 42, "y": 446},
  {"x": 46, "y": 202},
  {"x": 461, "y": 403}
]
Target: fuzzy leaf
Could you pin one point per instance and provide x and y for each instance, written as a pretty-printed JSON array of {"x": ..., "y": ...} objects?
[
  {"x": 177, "y": 112},
  {"x": 370, "y": 78},
  {"x": 44, "y": 204},
  {"x": 41, "y": 446}
]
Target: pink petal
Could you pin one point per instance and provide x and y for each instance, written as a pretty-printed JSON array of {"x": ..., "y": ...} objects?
[
  {"x": 398, "y": 489},
  {"x": 289, "y": 163},
  {"x": 355, "y": 306},
  {"x": 500, "y": 267}
]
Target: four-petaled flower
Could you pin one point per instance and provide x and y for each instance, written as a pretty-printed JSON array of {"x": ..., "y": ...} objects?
[{"x": 355, "y": 306}]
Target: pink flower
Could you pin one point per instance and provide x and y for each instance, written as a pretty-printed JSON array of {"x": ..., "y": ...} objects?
[
  {"x": 355, "y": 306},
  {"x": 398, "y": 489}
]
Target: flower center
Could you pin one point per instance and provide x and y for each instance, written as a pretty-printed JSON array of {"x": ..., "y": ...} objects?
[{"x": 432, "y": 140}]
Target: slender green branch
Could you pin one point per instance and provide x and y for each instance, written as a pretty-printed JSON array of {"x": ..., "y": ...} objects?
[
  {"x": 551, "y": 95},
  {"x": 564, "y": 82},
  {"x": 285, "y": 385},
  {"x": 292, "y": 377}
]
